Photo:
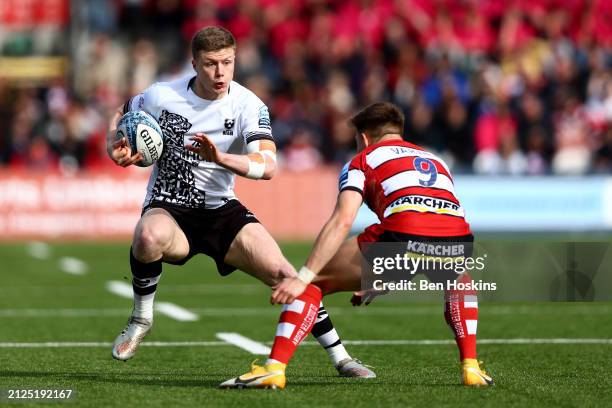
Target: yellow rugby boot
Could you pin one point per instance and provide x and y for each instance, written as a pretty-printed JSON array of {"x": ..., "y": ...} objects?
[
  {"x": 472, "y": 375},
  {"x": 269, "y": 376}
]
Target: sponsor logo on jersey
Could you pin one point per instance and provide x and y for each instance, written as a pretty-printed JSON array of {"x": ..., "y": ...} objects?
[
  {"x": 425, "y": 248},
  {"x": 383, "y": 154},
  {"x": 229, "y": 127},
  {"x": 264, "y": 118},
  {"x": 421, "y": 204}
]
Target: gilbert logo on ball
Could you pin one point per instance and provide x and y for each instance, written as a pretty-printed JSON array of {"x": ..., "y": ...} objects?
[{"x": 143, "y": 135}]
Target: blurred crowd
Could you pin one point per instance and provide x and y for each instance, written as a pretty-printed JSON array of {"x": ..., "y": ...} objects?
[{"x": 495, "y": 87}]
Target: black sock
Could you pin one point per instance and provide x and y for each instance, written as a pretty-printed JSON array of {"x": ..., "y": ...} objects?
[
  {"x": 144, "y": 275},
  {"x": 326, "y": 335}
]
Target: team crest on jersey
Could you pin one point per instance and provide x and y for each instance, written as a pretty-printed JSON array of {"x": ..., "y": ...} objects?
[
  {"x": 264, "y": 118},
  {"x": 229, "y": 127}
]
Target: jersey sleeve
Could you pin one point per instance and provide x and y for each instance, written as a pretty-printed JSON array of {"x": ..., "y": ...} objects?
[
  {"x": 145, "y": 101},
  {"x": 255, "y": 120},
  {"x": 352, "y": 177}
]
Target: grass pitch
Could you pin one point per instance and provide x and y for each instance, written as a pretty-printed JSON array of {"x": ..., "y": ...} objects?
[{"x": 42, "y": 303}]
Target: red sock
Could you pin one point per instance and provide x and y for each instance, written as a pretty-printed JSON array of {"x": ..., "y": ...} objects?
[
  {"x": 296, "y": 321},
  {"x": 461, "y": 314}
]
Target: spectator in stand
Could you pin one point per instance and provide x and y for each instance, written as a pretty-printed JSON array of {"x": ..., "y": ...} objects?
[
  {"x": 603, "y": 156},
  {"x": 496, "y": 142},
  {"x": 5, "y": 123},
  {"x": 537, "y": 151},
  {"x": 143, "y": 66},
  {"x": 496, "y": 88},
  {"x": 103, "y": 79},
  {"x": 457, "y": 131},
  {"x": 301, "y": 153},
  {"x": 572, "y": 137}
]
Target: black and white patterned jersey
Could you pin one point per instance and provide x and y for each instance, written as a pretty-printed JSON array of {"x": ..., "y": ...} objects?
[{"x": 181, "y": 177}]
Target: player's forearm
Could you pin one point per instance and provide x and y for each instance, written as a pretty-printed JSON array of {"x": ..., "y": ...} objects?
[
  {"x": 112, "y": 129},
  {"x": 328, "y": 242},
  {"x": 246, "y": 165}
]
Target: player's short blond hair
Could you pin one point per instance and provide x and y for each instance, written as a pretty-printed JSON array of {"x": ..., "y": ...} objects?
[{"x": 211, "y": 38}]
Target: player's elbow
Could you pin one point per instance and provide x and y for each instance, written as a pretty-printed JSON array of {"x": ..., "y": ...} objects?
[
  {"x": 114, "y": 120},
  {"x": 344, "y": 222},
  {"x": 269, "y": 172},
  {"x": 268, "y": 175}
]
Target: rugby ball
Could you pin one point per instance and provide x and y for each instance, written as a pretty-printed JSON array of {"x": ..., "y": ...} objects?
[{"x": 143, "y": 134}]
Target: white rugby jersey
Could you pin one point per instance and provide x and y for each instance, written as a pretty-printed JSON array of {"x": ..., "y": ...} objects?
[{"x": 181, "y": 177}]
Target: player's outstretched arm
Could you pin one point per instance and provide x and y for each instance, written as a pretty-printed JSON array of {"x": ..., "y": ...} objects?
[
  {"x": 258, "y": 163},
  {"x": 325, "y": 247},
  {"x": 335, "y": 230},
  {"x": 119, "y": 150}
]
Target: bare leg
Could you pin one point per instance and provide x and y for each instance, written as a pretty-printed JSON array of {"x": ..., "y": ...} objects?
[
  {"x": 255, "y": 252},
  {"x": 158, "y": 236},
  {"x": 343, "y": 272}
]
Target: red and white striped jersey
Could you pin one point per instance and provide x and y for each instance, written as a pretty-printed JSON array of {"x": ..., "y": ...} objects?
[{"x": 410, "y": 190}]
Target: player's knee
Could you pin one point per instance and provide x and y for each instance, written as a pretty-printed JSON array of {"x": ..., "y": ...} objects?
[{"x": 150, "y": 239}]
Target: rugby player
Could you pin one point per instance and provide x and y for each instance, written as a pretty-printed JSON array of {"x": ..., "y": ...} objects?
[
  {"x": 213, "y": 129},
  {"x": 411, "y": 191}
]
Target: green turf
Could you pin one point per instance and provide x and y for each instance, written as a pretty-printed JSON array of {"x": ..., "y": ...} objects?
[{"x": 526, "y": 375}]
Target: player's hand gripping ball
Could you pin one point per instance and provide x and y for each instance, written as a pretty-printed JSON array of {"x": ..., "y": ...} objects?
[{"x": 143, "y": 135}]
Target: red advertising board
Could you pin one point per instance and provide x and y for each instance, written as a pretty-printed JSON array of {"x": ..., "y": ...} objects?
[
  {"x": 21, "y": 14},
  {"x": 107, "y": 206}
]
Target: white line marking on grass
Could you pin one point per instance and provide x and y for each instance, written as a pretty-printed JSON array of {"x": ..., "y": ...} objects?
[
  {"x": 479, "y": 341},
  {"x": 545, "y": 341},
  {"x": 175, "y": 312},
  {"x": 77, "y": 344},
  {"x": 254, "y": 311},
  {"x": 73, "y": 266},
  {"x": 120, "y": 289},
  {"x": 39, "y": 250},
  {"x": 412, "y": 310},
  {"x": 62, "y": 312},
  {"x": 245, "y": 343},
  {"x": 397, "y": 342},
  {"x": 184, "y": 344},
  {"x": 432, "y": 342},
  {"x": 74, "y": 344},
  {"x": 166, "y": 308}
]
